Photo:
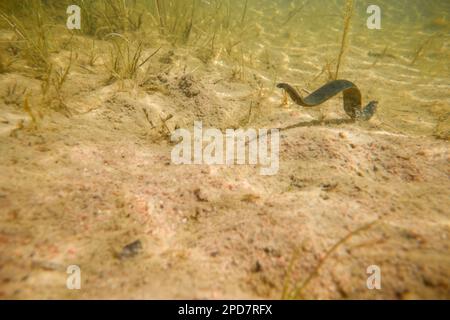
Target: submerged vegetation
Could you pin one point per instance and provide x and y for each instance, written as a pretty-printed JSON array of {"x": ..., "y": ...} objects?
[
  {"x": 348, "y": 13},
  {"x": 95, "y": 103},
  {"x": 293, "y": 289},
  {"x": 52, "y": 86},
  {"x": 117, "y": 26},
  {"x": 31, "y": 36}
]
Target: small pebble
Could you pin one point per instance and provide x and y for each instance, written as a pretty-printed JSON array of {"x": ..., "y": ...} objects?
[{"x": 131, "y": 250}]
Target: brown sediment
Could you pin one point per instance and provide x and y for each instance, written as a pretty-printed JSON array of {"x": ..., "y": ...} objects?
[{"x": 351, "y": 98}]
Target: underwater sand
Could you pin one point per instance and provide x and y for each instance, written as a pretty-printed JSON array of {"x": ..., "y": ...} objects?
[{"x": 77, "y": 189}]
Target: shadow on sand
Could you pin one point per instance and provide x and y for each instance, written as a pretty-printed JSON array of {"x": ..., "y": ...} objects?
[{"x": 314, "y": 123}]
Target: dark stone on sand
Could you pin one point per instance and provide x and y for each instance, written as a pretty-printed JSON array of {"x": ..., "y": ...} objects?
[{"x": 131, "y": 250}]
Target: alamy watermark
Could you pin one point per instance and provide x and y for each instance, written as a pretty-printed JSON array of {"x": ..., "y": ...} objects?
[
  {"x": 374, "y": 20},
  {"x": 73, "y": 281},
  {"x": 234, "y": 147},
  {"x": 374, "y": 279}
]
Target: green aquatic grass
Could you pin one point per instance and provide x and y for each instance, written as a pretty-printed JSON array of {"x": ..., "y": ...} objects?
[
  {"x": 294, "y": 289},
  {"x": 88, "y": 13},
  {"x": 5, "y": 62},
  {"x": 101, "y": 17},
  {"x": 294, "y": 12},
  {"x": 207, "y": 27},
  {"x": 126, "y": 57},
  {"x": 177, "y": 19},
  {"x": 3, "y": 67},
  {"x": 32, "y": 37},
  {"x": 122, "y": 15},
  {"x": 348, "y": 13},
  {"x": 425, "y": 45},
  {"x": 52, "y": 86},
  {"x": 204, "y": 27}
]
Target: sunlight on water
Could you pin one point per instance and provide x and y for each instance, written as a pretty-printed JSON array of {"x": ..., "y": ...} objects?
[{"x": 404, "y": 65}]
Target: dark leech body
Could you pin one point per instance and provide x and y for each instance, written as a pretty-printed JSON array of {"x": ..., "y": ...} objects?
[{"x": 352, "y": 98}]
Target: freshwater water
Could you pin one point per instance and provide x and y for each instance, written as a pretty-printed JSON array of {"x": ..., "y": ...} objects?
[
  {"x": 404, "y": 64},
  {"x": 88, "y": 178}
]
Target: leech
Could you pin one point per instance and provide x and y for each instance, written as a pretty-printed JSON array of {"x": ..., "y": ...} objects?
[{"x": 352, "y": 98}]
